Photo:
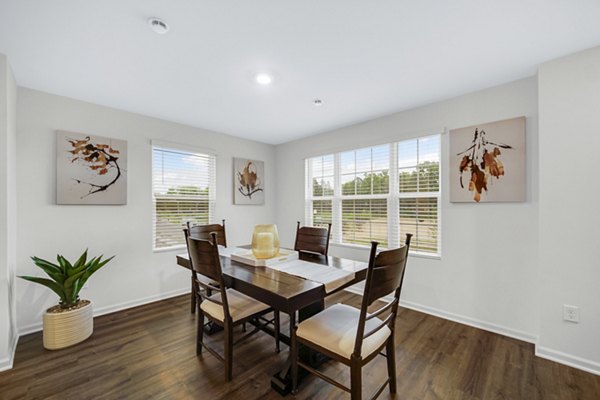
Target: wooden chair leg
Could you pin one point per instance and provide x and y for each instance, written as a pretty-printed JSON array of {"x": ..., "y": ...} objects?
[
  {"x": 391, "y": 363},
  {"x": 194, "y": 294},
  {"x": 355, "y": 379},
  {"x": 277, "y": 327},
  {"x": 200, "y": 333},
  {"x": 294, "y": 360},
  {"x": 228, "y": 351}
]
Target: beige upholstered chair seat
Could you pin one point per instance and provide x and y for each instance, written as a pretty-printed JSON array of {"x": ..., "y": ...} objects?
[
  {"x": 335, "y": 329},
  {"x": 240, "y": 306}
]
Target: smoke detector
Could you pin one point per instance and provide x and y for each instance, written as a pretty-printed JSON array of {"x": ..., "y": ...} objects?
[{"x": 158, "y": 25}]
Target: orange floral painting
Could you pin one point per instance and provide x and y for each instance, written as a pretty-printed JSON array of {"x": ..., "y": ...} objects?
[
  {"x": 248, "y": 181},
  {"x": 90, "y": 169},
  {"x": 487, "y": 162}
]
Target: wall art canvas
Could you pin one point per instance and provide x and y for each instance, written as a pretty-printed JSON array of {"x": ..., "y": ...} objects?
[
  {"x": 90, "y": 169},
  {"x": 487, "y": 162},
  {"x": 248, "y": 181}
]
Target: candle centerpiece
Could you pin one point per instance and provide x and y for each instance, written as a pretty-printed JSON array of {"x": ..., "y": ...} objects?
[{"x": 265, "y": 241}]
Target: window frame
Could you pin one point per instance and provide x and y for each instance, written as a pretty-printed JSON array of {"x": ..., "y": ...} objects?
[
  {"x": 194, "y": 151},
  {"x": 393, "y": 197}
]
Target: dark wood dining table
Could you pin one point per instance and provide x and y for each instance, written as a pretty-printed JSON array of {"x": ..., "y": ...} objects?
[{"x": 285, "y": 293}]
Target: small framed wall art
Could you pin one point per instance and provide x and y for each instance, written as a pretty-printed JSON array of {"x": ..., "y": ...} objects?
[
  {"x": 487, "y": 162},
  {"x": 90, "y": 169},
  {"x": 248, "y": 181}
]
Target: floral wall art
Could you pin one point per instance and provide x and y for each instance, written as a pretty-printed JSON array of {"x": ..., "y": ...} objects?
[
  {"x": 487, "y": 162},
  {"x": 90, "y": 169},
  {"x": 248, "y": 181}
]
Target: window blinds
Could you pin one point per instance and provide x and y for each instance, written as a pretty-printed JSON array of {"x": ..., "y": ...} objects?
[
  {"x": 183, "y": 188},
  {"x": 419, "y": 189},
  {"x": 378, "y": 194},
  {"x": 364, "y": 177}
]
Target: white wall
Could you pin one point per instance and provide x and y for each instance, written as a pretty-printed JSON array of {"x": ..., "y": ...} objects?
[
  {"x": 8, "y": 97},
  {"x": 137, "y": 274},
  {"x": 487, "y": 275},
  {"x": 569, "y": 109}
]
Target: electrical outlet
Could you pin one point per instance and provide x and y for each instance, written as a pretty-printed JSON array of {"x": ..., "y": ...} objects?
[{"x": 571, "y": 313}]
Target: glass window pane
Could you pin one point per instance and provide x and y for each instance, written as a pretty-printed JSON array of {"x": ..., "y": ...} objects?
[
  {"x": 429, "y": 176},
  {"x": 327, "y": 184},
  {"x": 364, "y": 220},
  {"x": 181, "y": 186},
  {"x": 317, "y": 187},
  {"x": 381, "y": 182},
  {"x": 408, "y": 180},
  {"x": 348, "y": 184},
  {"x": 407, "y": 153},
  {"x": 347, "y": 162},
  {"x": 419, "y": 216},
  {"x": 363, "y": 160},
  {"x": 328, "y": 163},
  {"x": 321, "y": 212}
]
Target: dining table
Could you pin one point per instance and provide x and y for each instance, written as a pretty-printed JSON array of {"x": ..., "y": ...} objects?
[{"x": 287, "y": 293}]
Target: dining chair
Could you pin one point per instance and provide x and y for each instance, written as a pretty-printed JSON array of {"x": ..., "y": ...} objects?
[
  {"x": 227, "y": 308},
  {"x": 200, "y": 231},
  {"x": 312, "y": 239},
  {"x": 355, "y": 337},
  {"x": 203, "y": 231}
]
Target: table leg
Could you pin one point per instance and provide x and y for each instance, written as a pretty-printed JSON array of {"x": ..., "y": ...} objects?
[{"x": 281, "y": 382}]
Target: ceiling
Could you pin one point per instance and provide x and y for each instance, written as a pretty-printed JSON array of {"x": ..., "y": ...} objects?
[{"x": 363, "y": 58}]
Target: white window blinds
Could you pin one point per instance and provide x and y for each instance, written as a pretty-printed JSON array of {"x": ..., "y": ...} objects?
[
  {"x": 378, "y": 194},
  {"x": 320, "y": 184},
  {"x": 419, "y": 189},
  {"x": 364, "y": 178},
  {"x": 183, "y": 189}
]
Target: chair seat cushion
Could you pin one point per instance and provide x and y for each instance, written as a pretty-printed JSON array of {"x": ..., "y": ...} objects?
[
  {"x": 335, "y": 329},
  {"x": 240, "y": 306}
]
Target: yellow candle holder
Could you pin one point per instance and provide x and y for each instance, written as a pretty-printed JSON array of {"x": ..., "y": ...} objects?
[{"x": 265, "y": 241}]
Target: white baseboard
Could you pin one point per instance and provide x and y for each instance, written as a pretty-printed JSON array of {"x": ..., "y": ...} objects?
[
  {"x": 477, "y": 323},
  {"x": 7, "y": 362},
  {"x": 567, "y": 359},
  {"x": 25, "y": 330}
]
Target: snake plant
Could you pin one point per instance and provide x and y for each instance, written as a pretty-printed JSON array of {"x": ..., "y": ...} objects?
[{"x": 67, "y": 279}]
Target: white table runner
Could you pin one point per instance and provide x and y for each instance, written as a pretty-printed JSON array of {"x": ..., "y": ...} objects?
[{"x": 331, "y": 277}]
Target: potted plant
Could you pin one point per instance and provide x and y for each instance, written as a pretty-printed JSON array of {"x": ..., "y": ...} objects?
[{"x": 71, "y": 321}]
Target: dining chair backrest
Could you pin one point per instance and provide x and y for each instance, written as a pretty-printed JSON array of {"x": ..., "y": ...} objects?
[
  {"x": 313, "y": 239},
  {"x": 204, "y": 231},
  {"x": 205, "y": 261},
  {"x": 385, "y": 275}
]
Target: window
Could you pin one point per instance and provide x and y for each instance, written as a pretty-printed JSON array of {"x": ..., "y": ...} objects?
[
  {"x": 419, "y": 189},
  {"x": 321, "y": 183},
  {"x": 378, "y": 193},
  {"x": 364, "y": 176},
  {"x": 183, "y": 189}
]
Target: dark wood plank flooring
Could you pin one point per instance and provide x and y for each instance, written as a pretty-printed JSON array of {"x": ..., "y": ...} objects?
[{"x": 148, "y": 352}]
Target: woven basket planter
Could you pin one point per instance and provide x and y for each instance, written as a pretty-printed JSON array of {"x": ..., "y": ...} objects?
[{"x": 66, "y": 328}]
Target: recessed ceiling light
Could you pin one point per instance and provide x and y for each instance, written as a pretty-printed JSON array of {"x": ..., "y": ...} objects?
[
  {"x": 264, "y": 79},
  {"x": 318, "y": 102},
  {"x": 158, "y": 25}
]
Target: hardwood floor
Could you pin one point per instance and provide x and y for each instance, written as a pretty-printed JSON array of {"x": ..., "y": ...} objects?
[{"x": 149, "y": 353}]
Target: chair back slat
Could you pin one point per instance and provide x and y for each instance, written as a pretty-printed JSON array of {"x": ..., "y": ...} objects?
[
  {"x": 385, "y": 275},
  {"x": 312, "y": 239},
  {"x": 378, "y": 327},
  {"x": 204, "y": 257},
  {"x": 205, "y": 261},
  {"x": 204, "y": 231}
]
